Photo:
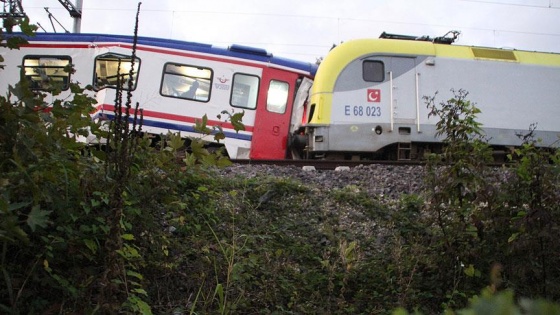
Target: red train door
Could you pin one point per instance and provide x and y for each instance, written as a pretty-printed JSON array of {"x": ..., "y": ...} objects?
[{"x": 274, "y": 110}]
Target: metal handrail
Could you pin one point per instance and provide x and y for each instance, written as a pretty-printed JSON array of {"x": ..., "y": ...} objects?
[{"x": 392, "y": 100}]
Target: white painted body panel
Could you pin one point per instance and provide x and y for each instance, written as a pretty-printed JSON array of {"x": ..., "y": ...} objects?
[{"x": 161, "y": 113}]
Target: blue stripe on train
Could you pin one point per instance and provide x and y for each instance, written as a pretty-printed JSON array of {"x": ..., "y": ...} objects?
[{"x": 187, "y": 128}]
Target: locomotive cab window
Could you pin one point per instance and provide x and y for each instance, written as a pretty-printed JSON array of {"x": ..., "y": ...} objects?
[
  {"x": 245, "y": 90},
  {"x": 112, "y": 70},
  {"x": 277, "y": 98},
  {"x": 373, "y": 71},
  {"x": 186, "y": 82},
  {"x": 46, "y": 72}
]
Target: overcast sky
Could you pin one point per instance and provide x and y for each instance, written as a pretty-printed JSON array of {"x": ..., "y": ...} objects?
[{"x": 307, "y": 29}]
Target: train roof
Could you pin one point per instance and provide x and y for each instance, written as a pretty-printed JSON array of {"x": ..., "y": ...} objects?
[
  {"x": 233, "y": 51},
  {"x": 361, "y": 47},
  {"x": 340, "y": 56}
]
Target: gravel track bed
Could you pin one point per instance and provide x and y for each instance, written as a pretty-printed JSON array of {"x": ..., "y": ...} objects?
[
  {"x": 326, "y": 221},
  {"x": 384, "y": 182}
]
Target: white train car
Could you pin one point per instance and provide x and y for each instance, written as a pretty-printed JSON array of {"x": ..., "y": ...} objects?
[
  {"x": 367, "y": 96},
  {"x": 176, "y": 83}
]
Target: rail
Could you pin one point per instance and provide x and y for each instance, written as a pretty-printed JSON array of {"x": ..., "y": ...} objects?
[
  {"x": 325, "y": 164},
  {"x": 333, "y": 164}
]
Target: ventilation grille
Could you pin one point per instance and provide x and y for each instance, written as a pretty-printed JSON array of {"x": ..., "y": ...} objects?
[{"x": 506, "y": 55}]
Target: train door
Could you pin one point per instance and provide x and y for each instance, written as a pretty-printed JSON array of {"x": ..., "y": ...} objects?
[
  {"x": 401, "y": 74},
  {"x": 274, "y": 110}
]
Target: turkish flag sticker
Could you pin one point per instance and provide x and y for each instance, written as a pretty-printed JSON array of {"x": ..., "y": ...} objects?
[{"x": 374, "y": 95}]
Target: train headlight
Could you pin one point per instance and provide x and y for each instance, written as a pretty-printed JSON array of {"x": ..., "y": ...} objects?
[{"x": 378, "y": 130}]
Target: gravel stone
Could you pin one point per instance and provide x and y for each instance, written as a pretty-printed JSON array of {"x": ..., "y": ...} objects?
[{"x": 387, "y": 182}]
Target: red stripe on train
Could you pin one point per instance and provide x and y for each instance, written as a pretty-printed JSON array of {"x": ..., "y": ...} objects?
[{"x": 174, "y": 117}]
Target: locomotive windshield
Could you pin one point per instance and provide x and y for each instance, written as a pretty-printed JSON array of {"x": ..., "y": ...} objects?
[{"x": 373, "y": 71}]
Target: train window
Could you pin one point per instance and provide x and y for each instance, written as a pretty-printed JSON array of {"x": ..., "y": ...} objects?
[
  {"x": 277, "y": 97},
  {"x": 186, "y": 82},
  {"x": 245, "y": 91},
  {"x": 47, "y": 72},
  {"x": 112, "y": 70},
  {"x": 373, "y": 71}
]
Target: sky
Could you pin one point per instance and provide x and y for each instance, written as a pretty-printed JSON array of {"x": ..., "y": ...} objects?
[{"x": 306, "y": 29}]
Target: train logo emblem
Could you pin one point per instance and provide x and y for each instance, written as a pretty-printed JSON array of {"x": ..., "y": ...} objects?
[
  {"x": 223, "y": 79},
  {"x": 222, "y": 85},
  {"x": 374, "y": 95}
]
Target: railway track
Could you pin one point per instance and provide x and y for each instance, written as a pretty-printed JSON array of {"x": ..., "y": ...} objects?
[
  {"x": 325, "y": 164},
  {"x": 334, "y": 164}
]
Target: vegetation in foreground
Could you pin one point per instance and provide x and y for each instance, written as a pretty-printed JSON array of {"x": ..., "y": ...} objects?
[{"x": 131, "y": 230}]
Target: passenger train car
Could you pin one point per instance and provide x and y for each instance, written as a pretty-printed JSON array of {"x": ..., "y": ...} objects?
[
  {"x": 367, "y": 96},
  {"x": 176, "y": 83}
]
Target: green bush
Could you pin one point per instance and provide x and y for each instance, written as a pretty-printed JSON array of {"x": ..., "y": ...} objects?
[{"x": 139, "y": 229}]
